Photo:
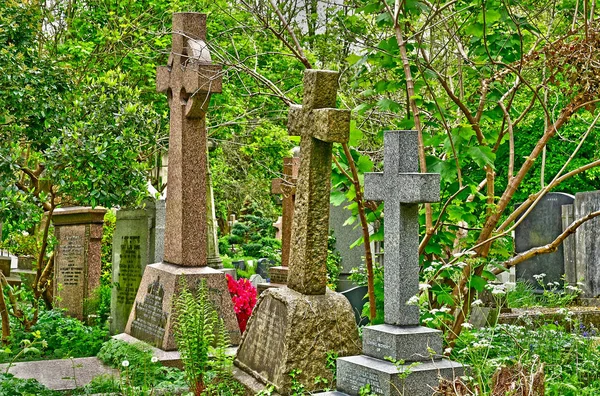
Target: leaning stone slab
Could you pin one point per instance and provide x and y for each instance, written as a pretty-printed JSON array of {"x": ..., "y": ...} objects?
[
  {"x": 61, "y": 374},
  {"x": 276, "y": 341},
  {"x": 384, "y": 377}
]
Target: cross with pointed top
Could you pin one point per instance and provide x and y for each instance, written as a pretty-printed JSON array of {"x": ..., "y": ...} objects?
[
  {"x": 401, "y": 187},
  {"x": 319, "y": 125},
  {"x": 189, "y": 79}
]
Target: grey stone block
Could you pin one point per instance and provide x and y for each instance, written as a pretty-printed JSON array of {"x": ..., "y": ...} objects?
[
  {"x": 387, "y": 379},
  {"x": 410, "y": 344}
]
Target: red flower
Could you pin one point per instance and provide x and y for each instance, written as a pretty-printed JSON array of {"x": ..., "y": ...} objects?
[{"x": 243, "y": 295}]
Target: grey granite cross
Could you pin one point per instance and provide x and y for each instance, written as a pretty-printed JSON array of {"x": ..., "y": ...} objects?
[
  {"x": 318, "y": 124},
  {"x": 401, "y": 188},
  {"x": 188, "y": 79}
]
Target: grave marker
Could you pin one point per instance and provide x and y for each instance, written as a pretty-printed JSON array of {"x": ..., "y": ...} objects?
[
  {"x": 296, "y": 327},
  {"x": 587, "y": 249},
  {"x": 541, "y": 226},
  {"x": 189, "y": 79},
  {"x": 77, "y": 261},
  {"x": 401, "y": 188}
]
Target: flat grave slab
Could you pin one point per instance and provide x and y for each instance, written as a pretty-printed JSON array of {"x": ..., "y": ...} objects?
[{"x": 61, "y": 374}]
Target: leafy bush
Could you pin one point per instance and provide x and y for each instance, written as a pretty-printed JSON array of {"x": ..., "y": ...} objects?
[
  {"x": 142, "y": 369},
  {"x": 572, "y": 359},
  {"x": 65, "y": 337},
  {"x": 252, "y": 249},
  {"x": 243, "y": 295},
  {"x": 12, "y": 386}
]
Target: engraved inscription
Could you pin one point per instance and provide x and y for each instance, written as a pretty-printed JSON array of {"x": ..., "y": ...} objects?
[
  {"x": 377, "y": 344},
  {"x": 360, "y": 378},
  {"x": 71, "y": 253},
  {"x": 130, "y": 272},
  {"x": 265, "y": 338},
  {"x": 150, "y": 321}
]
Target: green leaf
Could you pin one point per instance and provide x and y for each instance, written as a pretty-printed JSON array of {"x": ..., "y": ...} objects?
[
  {"x": 477, "y": 283},
  {"x": 337, "y": 198},
  {"x": 482, "y": 155}
]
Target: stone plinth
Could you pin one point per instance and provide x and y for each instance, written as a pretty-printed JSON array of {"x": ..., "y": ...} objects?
[
  {"x": 133, "y": 249},
  {"x": 278, "y": 274},
  {"x": 77, "y": 261},
  {"x": 355, "y": 372},
  {"x": 276, "y": 340},
  {"x": 587, "y": 248},
  {"x": 5, "y": 265},
  {"x": 151, "y": 318}
]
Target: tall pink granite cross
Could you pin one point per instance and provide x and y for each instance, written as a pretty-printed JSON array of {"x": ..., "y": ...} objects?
[
  {"x": 319, "y": 125},
  {"x": 189, "y": 79}
]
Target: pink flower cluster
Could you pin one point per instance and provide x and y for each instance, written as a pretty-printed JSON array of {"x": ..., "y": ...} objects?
[{"x": 243, "y": 295}]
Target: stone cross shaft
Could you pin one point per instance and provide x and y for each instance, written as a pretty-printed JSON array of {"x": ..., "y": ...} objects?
[
  {"x": 401, "y": 188},
  {"x": 287, "y": 187},
  {"x": 188, "y": 79},
  {"x": 319, "y": 125}
]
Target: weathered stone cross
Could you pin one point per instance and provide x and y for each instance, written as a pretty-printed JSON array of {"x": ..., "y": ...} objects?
[
  {"x": 188, "y": 79},
  {"x": 286, "y": 186},
  {"x": 319, "y": 125},
  {"x": 401, "y": 188}
]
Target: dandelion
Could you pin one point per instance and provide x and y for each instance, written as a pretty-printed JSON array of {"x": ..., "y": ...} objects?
[
  {"x": 125, "y": 363},
  {"x": 477, "y": 303},
  {"x": 414, "y": 300},
  {"x": 467, "y": 325},
  {"x": 424, "y": 286},
  {"x": 154, "y": 359}
]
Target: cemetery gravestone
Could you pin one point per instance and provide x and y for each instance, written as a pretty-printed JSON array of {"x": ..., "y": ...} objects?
[
  {"x": 358, "y": 298},
  {"x": 212, "y": 242},
  {"x": 134, "y": 247},
  {"x": 345, "y": 235},
  {"x": 401, "y": 188},
  {"x": 541, "y": 226},
  {"x": 189, "y": 79},
  {"x": 77, "y": 261},
  {"x": 296, "y": 327},
  {"x": 278, "y": 226},
  {"x": 587, "y": 247},
  {"x": 262, "y": 267}
]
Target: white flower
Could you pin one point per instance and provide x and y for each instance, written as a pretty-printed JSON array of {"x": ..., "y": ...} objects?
[
  {"x": 467, "y": 325},
  {"x": 25, "y": 233},
  {"x": 497, "y": 291},
  {"x": 447, "y": 351},
  {"x": 477, "y": 303},
  {"x": 445, "y": 309},
  {"x": 539, "y": 277},
  {"x": 414, "y": 300},
  {"x": 571, "y": 287},
  {"x": 461, "y": 264},
  {"x": 125, "y": 363},
  {"x": 154, "y": 359},
  {"x": 424, "y": 286},
  {"x": 434, "y": 311},
  {"x": 427, "y": 320}
]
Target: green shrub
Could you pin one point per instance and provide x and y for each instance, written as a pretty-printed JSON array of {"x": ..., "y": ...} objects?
[
  {"x": 12, "y": 386},
  {"x": 65, "y": 337}
]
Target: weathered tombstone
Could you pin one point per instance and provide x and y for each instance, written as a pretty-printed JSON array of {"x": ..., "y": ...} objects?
[
  {"x": 541, "y": 226},
  {"x": 401, "y": 188},
  {"x": 189, "y": 79},
  {"x": 134, "y": 247},
  {"x": 295, "y": 327},
  {"x": 77, "y": 261},
  {"x": 262, "y": 267},
  {"x": 345, "y": 235},
  {"x": 587, "y": 237},
  {"x": 256, "y": 279},
  {"x": 239, "y": 264},
  {"x": 358, "y": 298}
]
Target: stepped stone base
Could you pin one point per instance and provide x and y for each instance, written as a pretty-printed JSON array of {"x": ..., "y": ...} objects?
[
  {"x": 292, "y": 331},
  {"x": 151, "y": 318},
  {"x": 386, "y": 379},
  {"x": 26, "y": 274},
  {"x": 410, "y": 344}
]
